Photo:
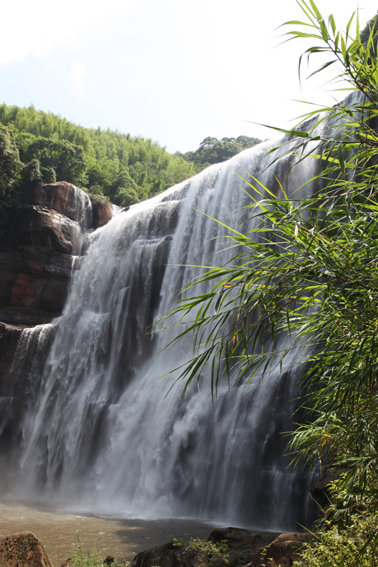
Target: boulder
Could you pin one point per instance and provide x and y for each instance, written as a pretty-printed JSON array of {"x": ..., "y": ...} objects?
[
  {"x": 63, "y": 197},
  {"x": 22, "y": 550},
  {"x": 238, "y": 538},
  {"x": 281, "y": 552},
  {"x": 169, "y": 555},
  {"x": 102, "y": 212}
]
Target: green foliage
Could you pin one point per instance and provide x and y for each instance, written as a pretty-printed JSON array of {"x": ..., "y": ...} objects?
[
  {"x": 10, "y": 167},
  {"x": 31, "y": 172},
  {"x": 90, "y": 559},
  {"x": 215, "y": 554},
  {"x": 122, "y": 168},
  {"x": 116, "y": 166},
  {"x": 308, "y": 271},
  {"x": 212, "y": 150},
  {"x": 49, "y": 175},
  {"x": 351, "y": 545},
  {"x": 65, "y": 158},
  {"x": 93, "y": 559},
  {"x": 238, "y": 555},
  {"x": 222, "y": 553},
  {"x": 10, "y": 164}
]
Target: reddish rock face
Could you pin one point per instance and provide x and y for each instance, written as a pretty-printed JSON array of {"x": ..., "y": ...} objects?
[
  {"x": 36, "y": 265},
  {"x": 22, "y": 550},
  {"x": 101, "y": 212},
  {"x": 282, "y": 552},
  {"x": 23, "y": 290},
  {"x": 62, "y": 197},
  {"x": 33, "y": 284}
]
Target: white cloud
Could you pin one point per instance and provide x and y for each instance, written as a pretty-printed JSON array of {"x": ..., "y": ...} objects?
[{"x": 33, "y": 28}]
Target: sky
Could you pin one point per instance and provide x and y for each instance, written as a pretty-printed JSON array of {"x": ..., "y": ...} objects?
[{"x": 174, "y": 71}]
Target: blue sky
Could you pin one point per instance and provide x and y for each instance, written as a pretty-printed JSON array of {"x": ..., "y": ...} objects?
[{"x": 174, "y": 71}]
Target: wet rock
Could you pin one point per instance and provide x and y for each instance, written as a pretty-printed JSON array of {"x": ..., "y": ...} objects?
[
  {"x": 34, "y": 284},
  {"x": 101, "y": 212},
  {"x": 9, "y": 337},
  {"x": 63, "y": 197},
  {"x": 38, "y": 226},
  {"x": 281, "y": 552},
  {"x": 22, "y": 550},
  {"x": 37, "y": 259},
  {"x": 43, "y": 240}
]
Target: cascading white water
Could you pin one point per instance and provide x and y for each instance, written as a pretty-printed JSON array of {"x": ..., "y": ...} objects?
[{"x": 98, "y": 431}]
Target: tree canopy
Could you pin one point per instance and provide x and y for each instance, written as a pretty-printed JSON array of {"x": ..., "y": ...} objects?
[
  {"x": 212, "y": 150},
  {"x": 105, "y": 163}
]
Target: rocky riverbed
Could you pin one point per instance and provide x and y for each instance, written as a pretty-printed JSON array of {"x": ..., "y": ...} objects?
[{"x": 61, "y": 532}]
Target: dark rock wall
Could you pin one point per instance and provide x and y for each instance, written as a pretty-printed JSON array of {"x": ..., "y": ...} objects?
[
  {"x": 9, "y": 337},
  {"x": 37, "y": 259}
]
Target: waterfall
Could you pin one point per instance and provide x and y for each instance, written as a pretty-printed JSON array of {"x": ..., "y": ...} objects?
[{"x": 99, "y": 432}]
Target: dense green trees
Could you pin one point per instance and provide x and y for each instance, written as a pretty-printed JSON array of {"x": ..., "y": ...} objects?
[
  {"x": 212, "y": 150},
  {"x": 10, "y": 167},
  {"x": 114, "y": 165},
  {"x": 10, "y": 162}
]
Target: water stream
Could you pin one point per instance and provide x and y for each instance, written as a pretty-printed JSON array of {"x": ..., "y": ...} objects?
[{"x": 96, "y": 430}]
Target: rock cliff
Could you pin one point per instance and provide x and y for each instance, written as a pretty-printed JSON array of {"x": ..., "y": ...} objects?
[{"x": 37, "y": 259}]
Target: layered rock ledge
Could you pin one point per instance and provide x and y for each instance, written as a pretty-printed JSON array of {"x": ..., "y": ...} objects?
[{"x": 37, "y": 259}]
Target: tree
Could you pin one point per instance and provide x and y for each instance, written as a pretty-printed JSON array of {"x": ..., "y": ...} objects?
[
  {"x": 10, "y": 167},
  {"x": 10, "y": 164},
  {"x": 65, "y": 158},
  {"x": 31, "y": 172},
  {"x": 212, "y": 150},
  {"x": 208, "y": 142},
  {"x": 311, "y": 274}
]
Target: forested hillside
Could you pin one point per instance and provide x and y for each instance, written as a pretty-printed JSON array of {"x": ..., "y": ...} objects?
[
  {"x": 37, "y": 145},
  {"x": 40, "y": 146}
]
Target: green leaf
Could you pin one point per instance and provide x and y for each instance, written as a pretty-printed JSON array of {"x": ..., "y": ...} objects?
[
  {"x": 324, "y": 66},
  {"x": 332, "y": 22},
  {"x": 316, "y": 11}
]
